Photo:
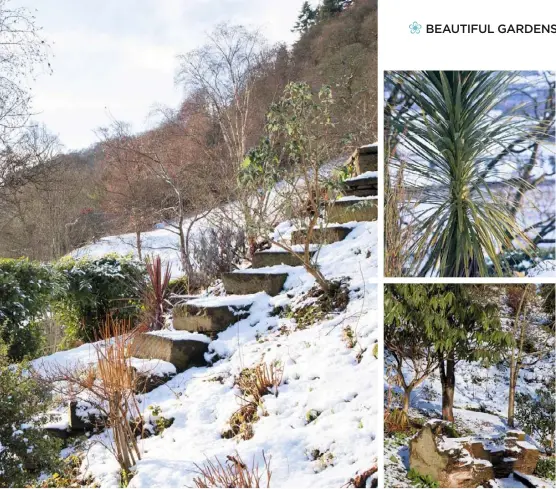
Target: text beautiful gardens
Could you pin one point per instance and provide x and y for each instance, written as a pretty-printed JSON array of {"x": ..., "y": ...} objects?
[{"x": 491, "y": 29}]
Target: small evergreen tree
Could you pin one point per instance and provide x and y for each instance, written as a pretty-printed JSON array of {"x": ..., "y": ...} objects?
[
  {"x": 306, "y": 18},
  {"x": 25, "y": 449},
  {"x": 537, "y": 415},
  {"x": 329, "y": 8},
  {"x": 405, "y": 338},
  {"x": 449, "y": 322},
  {"x": 110, "y": 285},
  {"x": 463, "y": 325}
]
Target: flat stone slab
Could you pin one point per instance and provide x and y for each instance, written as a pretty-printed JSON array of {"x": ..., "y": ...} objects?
[
  {"x": 180, "y": 348},
  {"x": 365, "y": 185},
  {"x": 263, "y": 259},
  {"x": 246, "y": 282},
  {"x": 327, "y": 235},
  {"x": 210, "y": 316},
  {"x": 350, "y": 209}
]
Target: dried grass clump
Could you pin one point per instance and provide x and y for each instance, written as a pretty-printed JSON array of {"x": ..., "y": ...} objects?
[
  {"x": 260, "y": 380},
  {"x": 233, "y": 473},
  {"x": 117, "y": 389},
  {"x": 254, "y": 383},
  {"x": 241, "y": 422}
]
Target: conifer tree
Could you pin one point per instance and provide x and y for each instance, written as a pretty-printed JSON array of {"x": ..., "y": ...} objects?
[
  {"x": 329, "y": 8},
  {"x": 306, "y": 18}
]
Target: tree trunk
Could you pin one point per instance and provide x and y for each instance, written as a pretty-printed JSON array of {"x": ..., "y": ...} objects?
[
  {"x": 406, "y": 399},
  {"x": 448, "y": 380},
  {"x": 515, "y": 360},
  {"x": 138, "y": 242},
  {"x": 511, "y": 396},
  {"x": 184, "y": 258}
]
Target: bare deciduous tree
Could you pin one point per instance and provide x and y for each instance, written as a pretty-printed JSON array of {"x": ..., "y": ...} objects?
[
  {"x": 22, "y": 52},
  {"x": 225, "y": 71}
]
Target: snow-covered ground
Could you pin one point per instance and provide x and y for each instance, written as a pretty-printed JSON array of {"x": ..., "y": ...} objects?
[
  {"x": 163, "y": 242},
  {"x": 323, "y": 376}
]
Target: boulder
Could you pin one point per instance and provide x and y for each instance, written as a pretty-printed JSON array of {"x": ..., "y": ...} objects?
[
  {"x": 211, "y": 319},
  {"x": 251, "y": 282},
  {"x": 445, "y": 459},
  {"x": 465, "y": 462},
  {"x": 270, "y": 258},
  {"x": 180, "y": 348},
  {"x": 350, "y": 209},
  {"x": 517, "y": 434},
  {"x": 327, "y": 235}
]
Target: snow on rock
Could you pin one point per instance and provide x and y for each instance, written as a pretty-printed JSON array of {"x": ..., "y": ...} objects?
[
  {"x": 349, "y": 198},
  {"x": 154, "y": 367},
  {"x": 226, "y": 300},
  {"x": 180, "y": 335},
  {"x": 362, "y": 176},
  {"x": 84, "y": 355}
]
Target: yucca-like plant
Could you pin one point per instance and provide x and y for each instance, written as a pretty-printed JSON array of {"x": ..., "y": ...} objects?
[{"x": 447, "y": 139}]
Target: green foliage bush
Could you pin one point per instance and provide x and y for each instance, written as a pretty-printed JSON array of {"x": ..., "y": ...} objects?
[
  {"x": 546, "y": 468},
  {"x": 25, "y": 449},
  {"x": 179, "y": 286},
  {"x": 96, "y": 288},
  {"x": 420, "y": 480},
  {"x": 26, "y": 289},
  {"x": 536, "y": 415}
]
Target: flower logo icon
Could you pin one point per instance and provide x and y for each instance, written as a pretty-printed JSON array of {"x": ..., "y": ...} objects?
[{"x": 415, "y": 27}]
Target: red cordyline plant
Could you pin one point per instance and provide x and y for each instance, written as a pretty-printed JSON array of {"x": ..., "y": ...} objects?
[{"x": 157, "y": 290}]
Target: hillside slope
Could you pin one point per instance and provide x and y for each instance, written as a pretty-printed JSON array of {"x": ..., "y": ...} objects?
[{"x": 319, "y": 430}]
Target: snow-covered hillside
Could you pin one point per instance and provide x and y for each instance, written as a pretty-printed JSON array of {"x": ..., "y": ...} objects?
[{"x": 320, "y": 430}]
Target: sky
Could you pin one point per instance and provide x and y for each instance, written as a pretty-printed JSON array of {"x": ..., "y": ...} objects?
[{"x": 117, "y": 58}]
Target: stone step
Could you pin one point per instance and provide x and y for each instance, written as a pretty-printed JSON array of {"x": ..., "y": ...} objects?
[
  {"x": 180, "y": 348},
  {"x": 327, "y": 235},
  {"x": 349, "y": 209},
  {"x": 251, "y": 282},
  {"x": 210, "y": 315},
  {"x": 365, "y": 185},
  {"x": 150, "y": 374},
  {"x": 263, "y": 259},
  {"x": 366, "y": 159}
]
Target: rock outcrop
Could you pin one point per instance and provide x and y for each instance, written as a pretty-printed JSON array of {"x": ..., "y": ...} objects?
[{"x": 467, "y": 461}]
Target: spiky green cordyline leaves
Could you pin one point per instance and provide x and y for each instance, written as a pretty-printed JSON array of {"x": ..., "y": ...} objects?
[{"x": 449, "y": 136}]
